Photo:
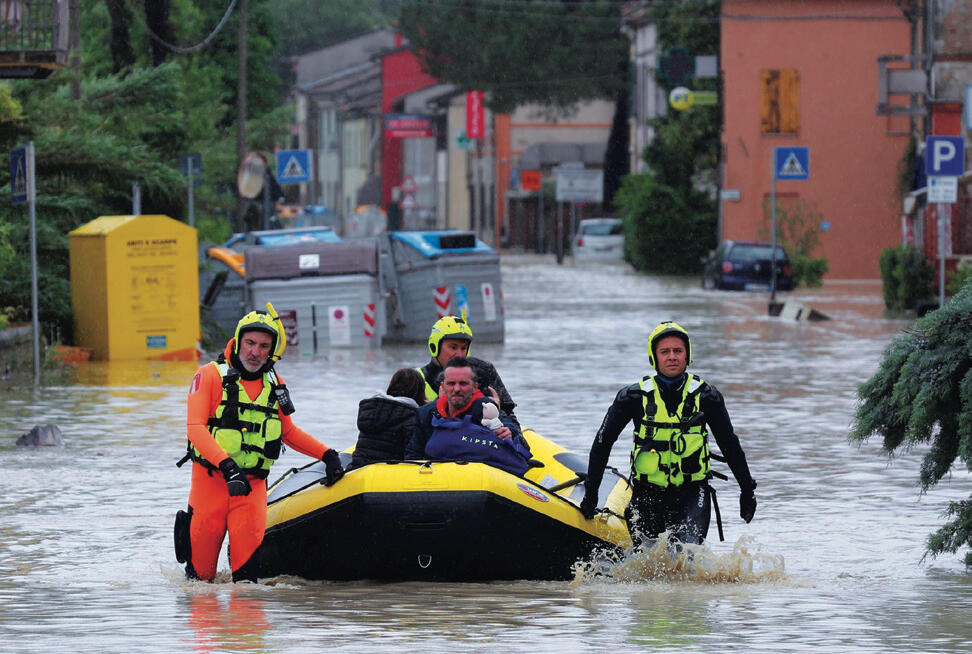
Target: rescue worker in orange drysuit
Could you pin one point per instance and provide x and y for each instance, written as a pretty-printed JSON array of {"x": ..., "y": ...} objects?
[{"x": 238, "y": 414}]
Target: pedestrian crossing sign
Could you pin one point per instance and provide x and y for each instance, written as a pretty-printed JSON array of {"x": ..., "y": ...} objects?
[
  {"x": 293, "y": 166},
  {"x": 791, "y": 162}
]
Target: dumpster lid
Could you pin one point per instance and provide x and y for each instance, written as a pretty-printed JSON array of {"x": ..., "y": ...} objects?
[
  {"x": 447, "y": 241},
  {"x": 280, "y": 237}
]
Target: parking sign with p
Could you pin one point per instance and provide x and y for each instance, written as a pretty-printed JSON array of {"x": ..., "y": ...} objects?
[{"x": 944, "y": 156}]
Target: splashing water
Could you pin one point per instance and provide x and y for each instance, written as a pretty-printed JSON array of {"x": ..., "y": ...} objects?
[{"x": 669, "y": 560}]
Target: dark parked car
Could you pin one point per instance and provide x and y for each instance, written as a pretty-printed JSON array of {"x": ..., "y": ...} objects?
[{"x": 746, "y": 266}]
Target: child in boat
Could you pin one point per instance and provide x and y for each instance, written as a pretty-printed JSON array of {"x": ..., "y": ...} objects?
[{"x": 386, "y": 420}]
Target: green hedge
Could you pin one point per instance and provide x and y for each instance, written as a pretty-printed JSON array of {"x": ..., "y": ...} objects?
[
  {"x": 662, "y": 232},
  {"x": 907, "y": 277},
  {"x": 808, "y": 271}
]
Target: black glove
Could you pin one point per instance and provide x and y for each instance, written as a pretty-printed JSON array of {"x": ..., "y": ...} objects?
[
  {"x": 332, "y": 467},
  {"x": 236, "y": 481},
  {"x": 588, "y": 505},
  {"x": 747, "y": 503}
]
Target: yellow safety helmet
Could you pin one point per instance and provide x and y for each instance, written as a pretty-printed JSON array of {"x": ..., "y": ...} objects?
[
  {"x": 263, "y": 321},
  {"x": 449, "y": 327},
  {"x": 668, "y": 328}
]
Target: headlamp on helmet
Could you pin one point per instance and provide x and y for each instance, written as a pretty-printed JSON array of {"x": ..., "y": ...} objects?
[
  {"x": 668, "y": 328},
  {"x": 449, "y": 327}
]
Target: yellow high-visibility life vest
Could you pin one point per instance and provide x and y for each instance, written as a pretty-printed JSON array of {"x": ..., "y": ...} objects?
[
  {"x": 430, "y": 393},
  {"x": 249, "y": 432},
  {"x": 670, "y": 450}
]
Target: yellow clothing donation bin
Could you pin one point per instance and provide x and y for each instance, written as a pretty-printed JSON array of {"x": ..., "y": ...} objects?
[{"x": 135, "y": 288}]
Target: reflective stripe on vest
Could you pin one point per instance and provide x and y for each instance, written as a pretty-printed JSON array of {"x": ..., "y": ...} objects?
[
  {"x": 430, "y": 394},
  {"x": 670, "y": 450},
  {"x": 249, "y": 432}
]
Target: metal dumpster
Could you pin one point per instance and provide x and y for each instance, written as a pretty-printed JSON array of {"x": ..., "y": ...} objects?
[
  {"x": 429, "y": 274},
  {"x": 326, "y": 293},
  {"x": 222, "y": 286}
]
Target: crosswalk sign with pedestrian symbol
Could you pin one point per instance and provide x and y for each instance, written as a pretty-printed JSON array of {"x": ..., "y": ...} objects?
[
  {"x": 293, "y": 166},
  {"x": 791, "y": 162}
]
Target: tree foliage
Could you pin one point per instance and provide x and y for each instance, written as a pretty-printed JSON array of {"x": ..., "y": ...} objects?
[
  {"x": 922, "y": 394},
  {"x": 798, "y": 231},
  {"x": 87, "y": 158},
  {"x": 674, "y": 224},
  {"x": 135, "y": 117},
  {"x": 307, "y": 25},
  {"x": 662, "y": 233},
  {"x": 521, "y": 51}
]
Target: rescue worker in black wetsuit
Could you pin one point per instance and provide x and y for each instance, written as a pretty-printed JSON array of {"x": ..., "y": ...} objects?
[
  {"x": 673, "y": 411},
  {"x": 450, "y": 337}
]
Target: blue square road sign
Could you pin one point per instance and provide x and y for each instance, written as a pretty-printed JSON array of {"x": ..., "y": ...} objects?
[
  {"x": 293, "y": 166},
  {"x": 944, "y": 156},
  {"x": 791, "y": 162}
]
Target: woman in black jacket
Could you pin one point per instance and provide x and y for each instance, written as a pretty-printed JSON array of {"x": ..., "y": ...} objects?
[{"x": 386, "y": 420}]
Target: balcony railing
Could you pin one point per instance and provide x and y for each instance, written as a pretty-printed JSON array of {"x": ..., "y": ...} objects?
[{"x": 33, "y": 37}]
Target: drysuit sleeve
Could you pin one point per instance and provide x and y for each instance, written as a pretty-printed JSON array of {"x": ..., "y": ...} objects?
[
  {"x": 205, "y": 394},
  {"x": 627, "y": 406},
  {"x": 297, "y": 438},
  {"x": 300, "y": 440},
  {"x": 717, "y": 418}
]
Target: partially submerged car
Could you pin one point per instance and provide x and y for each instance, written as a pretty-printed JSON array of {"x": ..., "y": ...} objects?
[
  {"x": 747, "y": 266},
  {"x": 598, "y": 239}
]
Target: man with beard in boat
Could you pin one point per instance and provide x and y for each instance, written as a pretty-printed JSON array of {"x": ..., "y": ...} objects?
[
  {"x": 450, "y": 337},
  {"x": 238, "y": 415},
  {"x": 670, "y": 459},
  {"x": 458, "y": 426}
]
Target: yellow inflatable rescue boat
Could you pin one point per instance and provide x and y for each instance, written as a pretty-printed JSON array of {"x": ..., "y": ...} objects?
[{"x": 439, "y": 520}]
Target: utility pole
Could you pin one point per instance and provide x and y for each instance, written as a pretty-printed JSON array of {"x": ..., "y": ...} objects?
[
  {"x": 74, "y": 45},
  {"x": 241, "y": 104}
]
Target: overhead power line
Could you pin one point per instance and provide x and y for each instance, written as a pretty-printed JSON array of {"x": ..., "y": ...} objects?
[{"x": 202, "y": 44}]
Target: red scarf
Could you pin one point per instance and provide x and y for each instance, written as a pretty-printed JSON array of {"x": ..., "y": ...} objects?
[{"x": 442, "y": 404}]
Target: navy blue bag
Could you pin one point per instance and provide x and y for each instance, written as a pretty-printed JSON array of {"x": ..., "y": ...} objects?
[{"x": 459, "y": 439}]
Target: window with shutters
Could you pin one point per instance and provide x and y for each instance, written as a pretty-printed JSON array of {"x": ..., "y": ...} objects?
[{"x": 780, "y": 91}]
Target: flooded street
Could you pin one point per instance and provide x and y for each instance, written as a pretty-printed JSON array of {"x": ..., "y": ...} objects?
[{"x": 86, "y": 560}]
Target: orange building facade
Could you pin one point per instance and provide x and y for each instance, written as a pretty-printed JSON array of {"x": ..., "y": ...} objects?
[{"x": 806, "y": 74}]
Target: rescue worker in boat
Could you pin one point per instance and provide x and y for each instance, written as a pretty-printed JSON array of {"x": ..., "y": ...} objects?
[
  {"x": 238, "y": 416},
  {"x": 673, "y": 411},
  {"x": 463, "y": 424},
  {"x": 386, "y": 420},
  {"x": 451, "y": 336}
]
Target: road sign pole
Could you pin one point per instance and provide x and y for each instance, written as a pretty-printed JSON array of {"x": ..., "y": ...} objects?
[
  {"x": 31, "y": 196},
  {"x": 941, "y": 254},
  {"x": 773, "y": 233}
]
